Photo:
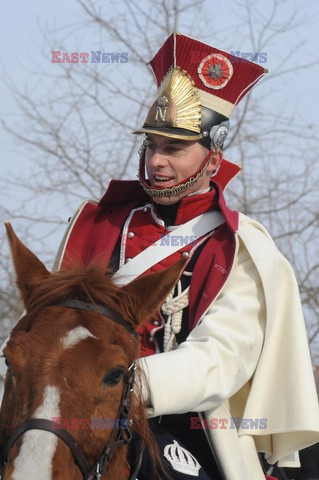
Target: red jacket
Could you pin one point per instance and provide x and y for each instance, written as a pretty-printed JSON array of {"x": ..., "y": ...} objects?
[{"x": 99, "y": 226}]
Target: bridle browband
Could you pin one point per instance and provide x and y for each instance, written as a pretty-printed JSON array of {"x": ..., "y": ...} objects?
[
  {"x": 103, "y": 310},
  {"x": 119, "y": 436}
]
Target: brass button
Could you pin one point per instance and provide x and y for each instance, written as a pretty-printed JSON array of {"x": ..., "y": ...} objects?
[
  {"x": 128, "y": 259},
  {"x": 145, "y": 209},
  {"x": 185, "y": 254},
  {"x": 130, "y": 234}
]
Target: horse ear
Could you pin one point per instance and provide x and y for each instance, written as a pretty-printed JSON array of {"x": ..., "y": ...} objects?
[
  {"x": 30, "y": 271},
  {"x": 145, "y": 295}
]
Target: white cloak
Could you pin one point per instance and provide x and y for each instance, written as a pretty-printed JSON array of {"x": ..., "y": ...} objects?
[{"x": 248, "y": 358}]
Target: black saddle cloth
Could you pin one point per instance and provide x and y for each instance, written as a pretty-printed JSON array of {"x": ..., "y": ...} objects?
[{"x": 178, "y": 460}]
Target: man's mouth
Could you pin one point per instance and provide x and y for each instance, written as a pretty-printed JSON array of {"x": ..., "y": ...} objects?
[
  {"x": 160, "y": 179},
  {"x": 163, "y": 181}
]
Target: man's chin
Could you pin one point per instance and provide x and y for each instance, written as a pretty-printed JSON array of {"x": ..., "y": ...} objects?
[{"x": 167, "y": 200}]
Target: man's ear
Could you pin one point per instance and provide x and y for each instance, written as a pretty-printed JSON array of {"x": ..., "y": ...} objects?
[
  {"x": 30, "y": 271},
  {"x": 143, "y": 296},
  {"x": 215, "y": 162}
]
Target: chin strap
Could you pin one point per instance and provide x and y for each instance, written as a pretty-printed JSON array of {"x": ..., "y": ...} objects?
[{"x": 178, "y": 189}]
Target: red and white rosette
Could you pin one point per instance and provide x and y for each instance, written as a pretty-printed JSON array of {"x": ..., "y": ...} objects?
[{"x": 215, "y": 71}]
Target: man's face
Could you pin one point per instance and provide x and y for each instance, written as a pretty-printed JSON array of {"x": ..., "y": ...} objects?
[{"x": 170, "y": 161}]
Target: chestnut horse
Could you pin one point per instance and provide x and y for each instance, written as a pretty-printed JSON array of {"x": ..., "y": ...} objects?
[{"x": 67, "y": 402}]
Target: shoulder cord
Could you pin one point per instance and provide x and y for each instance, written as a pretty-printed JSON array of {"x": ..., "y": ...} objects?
[{"x": 173, "y": 308}]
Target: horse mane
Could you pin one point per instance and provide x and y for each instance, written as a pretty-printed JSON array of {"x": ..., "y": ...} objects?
[{"x": 81, "y": 282}]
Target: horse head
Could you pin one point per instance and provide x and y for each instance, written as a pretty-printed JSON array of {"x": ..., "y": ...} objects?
[{"x": 70, "y": 363}]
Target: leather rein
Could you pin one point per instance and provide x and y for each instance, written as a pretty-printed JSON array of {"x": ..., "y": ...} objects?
[{"x": 119, "y": 436}]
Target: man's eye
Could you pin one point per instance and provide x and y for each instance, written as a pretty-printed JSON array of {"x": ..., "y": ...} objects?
[{"x": 172, "y": 150}]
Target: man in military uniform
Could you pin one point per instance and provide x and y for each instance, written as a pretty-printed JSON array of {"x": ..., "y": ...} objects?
[{"x": 226, "y": 361}]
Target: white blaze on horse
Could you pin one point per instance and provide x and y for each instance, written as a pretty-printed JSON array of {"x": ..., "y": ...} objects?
[{"x": 68, "y": 409}]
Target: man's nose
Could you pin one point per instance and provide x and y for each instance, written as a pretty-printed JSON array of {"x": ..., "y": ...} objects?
[{"x": 158, "y": 159}]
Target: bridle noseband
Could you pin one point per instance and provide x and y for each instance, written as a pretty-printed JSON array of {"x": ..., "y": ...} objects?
[{"x": 118, "y": 437}]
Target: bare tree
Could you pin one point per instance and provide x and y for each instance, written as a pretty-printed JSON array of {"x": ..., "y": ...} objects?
[
  {"x": 11, "y": 307},
  {"x": 78, "y": 132}
]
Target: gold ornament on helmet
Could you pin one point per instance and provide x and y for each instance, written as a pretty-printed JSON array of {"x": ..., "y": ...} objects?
[{"x": 177, "y": 106}]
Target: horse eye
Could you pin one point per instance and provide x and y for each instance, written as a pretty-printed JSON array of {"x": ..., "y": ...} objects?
[{"x": 113, "y": 377}]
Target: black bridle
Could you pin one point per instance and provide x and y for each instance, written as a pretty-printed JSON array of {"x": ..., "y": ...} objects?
[
  {"x": 103, "y": 310},
  {"x": 119, "y": 436}
]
